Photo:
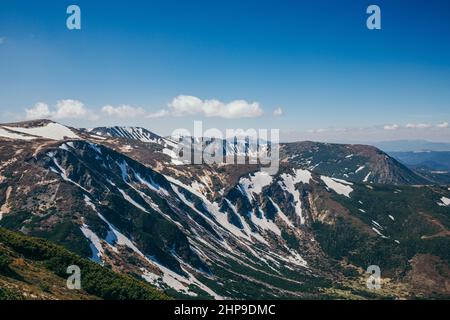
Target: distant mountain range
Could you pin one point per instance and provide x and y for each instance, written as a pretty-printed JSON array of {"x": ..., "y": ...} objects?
[
  {"x": 120, "y": 197},
  {"x": 430, "y": 160},
  {"x": 411, "y": 145},
  {"x": 432, "y": 165}
]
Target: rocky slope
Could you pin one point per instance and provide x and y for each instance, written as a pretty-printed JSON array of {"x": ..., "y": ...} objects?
[
  {"x": 228, "y": 231},
  {"x": 357, "y": 163}
]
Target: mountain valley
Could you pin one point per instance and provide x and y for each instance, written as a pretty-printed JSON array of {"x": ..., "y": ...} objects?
[{"x": 120, "y": 197}]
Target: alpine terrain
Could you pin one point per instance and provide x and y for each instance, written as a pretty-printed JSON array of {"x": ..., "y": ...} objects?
[{"x": 158, "y": 227}]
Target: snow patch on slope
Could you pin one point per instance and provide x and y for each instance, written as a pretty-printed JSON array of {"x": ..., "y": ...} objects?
[
  {"x": 339, "y": 186},
  {"x": 174, "y": 159},
  {"x": 53, "y": 131},
  {"x": 12, "y": 135},
  {"x": 281, "y": 214},
  {"x": 95, "y": 243},
  {"x": 62, "y": 172},
  {"x": 265, "y": 223},
  {"x": 359, "y": 169},
  {"x": 255, "y": 183},
  {"x": 444, "y": 201},
  {"x": 169, "y": 277},
  {"x": 288, "y": 184}
]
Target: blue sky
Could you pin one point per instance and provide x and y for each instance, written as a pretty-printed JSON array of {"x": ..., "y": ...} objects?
[{"x": 233, "y": 63}]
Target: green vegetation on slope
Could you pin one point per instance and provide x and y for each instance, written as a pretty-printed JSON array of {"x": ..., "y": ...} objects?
[{"x": 96, "y": 280}]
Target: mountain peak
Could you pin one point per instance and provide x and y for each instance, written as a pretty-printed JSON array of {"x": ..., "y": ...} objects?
[
  {"x": 29, "y": 123},
  {"x": 133, "y": 133},
  {"x": 29, "y": 130}
]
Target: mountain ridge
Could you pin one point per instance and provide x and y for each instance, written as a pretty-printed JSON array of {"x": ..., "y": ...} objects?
[{"x": 214, "y": 231}]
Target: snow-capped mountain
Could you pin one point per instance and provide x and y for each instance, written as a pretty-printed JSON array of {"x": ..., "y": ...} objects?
[
  {"x": 30, "y": 130},
  {"x": 226, "y": 231},
  {"x": 357, "y": 163},
  {"x": 132, "y": 133}
]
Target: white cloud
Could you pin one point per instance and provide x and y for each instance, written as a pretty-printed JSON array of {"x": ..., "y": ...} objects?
[
  {"x": 158, "y": 114},
  {"x": 39, "y": 111},
  {"x": 391, "y": 127},
  {"x": 123, "y": 112},
  {"x": 126, "y": 112},
  {"x": 418, "y": 125},
  {"x": 72, "y": 109},
  {"x": 181, "y": 105},
  {"x": 189, "y": 105},
  {"x": 2, "y": 40},
  {"x": 65, "y": 109},
  {"x": 443, "y": 125},
  {"x": 278, "y": 111}
]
